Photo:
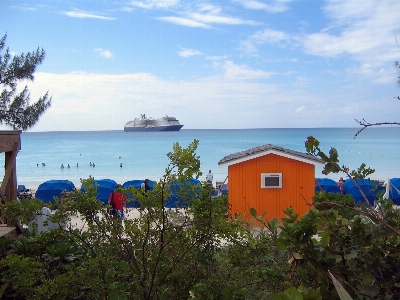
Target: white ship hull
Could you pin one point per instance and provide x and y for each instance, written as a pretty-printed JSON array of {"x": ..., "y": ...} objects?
[{"x": 144, "y": 124}]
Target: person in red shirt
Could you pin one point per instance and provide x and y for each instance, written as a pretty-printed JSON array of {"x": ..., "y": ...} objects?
[{"x": 117, "y": 200}]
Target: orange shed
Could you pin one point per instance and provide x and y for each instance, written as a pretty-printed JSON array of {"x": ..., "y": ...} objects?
[{"x": 270, "y": 179}]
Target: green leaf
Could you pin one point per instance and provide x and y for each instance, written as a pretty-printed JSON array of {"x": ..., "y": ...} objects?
[
  {"x": 373, "y": 290},
  {"x": 293, "y": 294},
  {"x": 3, "y": 288},
  {"x": 352, "y": 254},
  {"x": 279, "y": 297},
  {"x": 253, "y": 212},
  {"x": 281, "y": 246},
  {"x": 325, "y": 239}
]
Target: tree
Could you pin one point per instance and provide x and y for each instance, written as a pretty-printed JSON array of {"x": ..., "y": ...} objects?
[
  {"x": 15, "y": 110},
  {"x": 192, "y": 252},
  {"x": 354, "y": 246}
]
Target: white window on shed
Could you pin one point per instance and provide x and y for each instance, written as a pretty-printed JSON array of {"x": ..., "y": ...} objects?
[{"x": 271, "y": 180}]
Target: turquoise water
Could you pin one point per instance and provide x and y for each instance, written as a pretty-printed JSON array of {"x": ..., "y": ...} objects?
[{"x": 143, "y": 155}]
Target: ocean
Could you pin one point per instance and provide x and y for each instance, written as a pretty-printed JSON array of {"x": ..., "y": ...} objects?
[{"x": 124, "y": 156}]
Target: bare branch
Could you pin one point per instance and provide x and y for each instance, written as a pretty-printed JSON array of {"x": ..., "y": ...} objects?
[{"x": 366, "y": 124}]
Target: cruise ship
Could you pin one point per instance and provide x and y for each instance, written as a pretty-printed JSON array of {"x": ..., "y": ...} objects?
[{"x": 144, "y": 124}]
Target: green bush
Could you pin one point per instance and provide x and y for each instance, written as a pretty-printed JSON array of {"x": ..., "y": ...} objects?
[{"x": 344, "y": 204}]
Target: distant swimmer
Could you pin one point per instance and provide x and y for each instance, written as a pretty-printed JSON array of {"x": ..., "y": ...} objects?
[
  {"x": 43, "y": 164},
  {"x": 76, "y": 164},
  {"x": 62, "y": 166},
  {"x": 119, "y": 157},
  {"x": 37, "y": 165},
  {"x": 69, "y": 166},
  {"x": 93, "y": 165},
  {"x": 120, "y": 165},
  {"x": 90, "y": 163}
]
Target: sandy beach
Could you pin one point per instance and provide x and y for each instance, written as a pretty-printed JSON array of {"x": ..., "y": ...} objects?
[{"x": 78, "y": 223}]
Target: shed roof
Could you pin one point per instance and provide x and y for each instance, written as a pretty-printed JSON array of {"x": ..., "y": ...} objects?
[{"x": 268, "y": 149}]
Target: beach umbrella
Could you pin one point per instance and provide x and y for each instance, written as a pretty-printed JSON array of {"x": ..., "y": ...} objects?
[
  {"x": 369, "y": 187},
  {"x": 104, "y": 189},
  {"x": 394, "y": 191},
  {"x": 136, "y": 184},
  {"x": 179, "y": 197},
  {"x": 53, "y": 188},
  {"x": 328, "y": 185}
]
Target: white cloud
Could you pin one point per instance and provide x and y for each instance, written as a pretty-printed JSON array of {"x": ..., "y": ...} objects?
[
  {"x": 24, "y": 7},
  {"x": 189, "y": 14},
  {"x": 192, "y": 19},
  {"x": 356, "y": 29},
  {"x": 155, "y": 4},
  {"x": 210, "y": 8},
  {"x": 104, "y": 53},
  {"x": 240, "y": 97},
  {"x": 211, "y": 18},
  {"x": 82, "y": 15},
  {"x": 276, "y": 6},
  {"x": 266, "y": 36},
  {"x": 217, "y": 58},
  {"x": 364, "y": 33},
  {"x": 189, "y": 52},
  {"x": 233, "y": 71},
  {"x": 183, "y": 22},
  {"x": 301, "y": 82}
]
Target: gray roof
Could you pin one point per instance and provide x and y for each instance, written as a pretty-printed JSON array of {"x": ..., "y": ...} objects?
[{"x": 268, "y": 149}]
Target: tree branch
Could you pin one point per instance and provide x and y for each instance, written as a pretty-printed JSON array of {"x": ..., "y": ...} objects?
[{"x": 366, "y": 124}]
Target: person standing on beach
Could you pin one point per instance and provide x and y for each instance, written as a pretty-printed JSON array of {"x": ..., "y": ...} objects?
[
  {"x": 341, "y": 184},
  {"x": 209, "y": 178},
  {"x": 117, "y": 200},
  {"x": 145, "y": 186}
]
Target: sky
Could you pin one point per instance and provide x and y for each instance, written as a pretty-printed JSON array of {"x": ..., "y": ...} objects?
[{"x": 211, "y": 64}]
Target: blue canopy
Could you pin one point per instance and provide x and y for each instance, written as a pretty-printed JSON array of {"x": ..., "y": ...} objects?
[
  {"x": 104, "y": 188},
  {"x": 136, "y": 184},
  {"x": 53, "y": 188},
  {"x": 328, "y": 185},
  {"x": 175, "y": 200},
  {"x": 394, "y": 192},
  {"x": 369, "y": 187}
]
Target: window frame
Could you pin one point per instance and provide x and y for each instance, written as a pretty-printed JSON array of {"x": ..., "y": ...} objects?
[{"x": 271, "y": 175}]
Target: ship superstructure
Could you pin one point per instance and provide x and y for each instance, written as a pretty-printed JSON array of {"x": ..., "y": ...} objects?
[{"x": 149, "y": 124}]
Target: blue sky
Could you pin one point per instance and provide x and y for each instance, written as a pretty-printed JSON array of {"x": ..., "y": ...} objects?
[{"x": 211, "y": 64}]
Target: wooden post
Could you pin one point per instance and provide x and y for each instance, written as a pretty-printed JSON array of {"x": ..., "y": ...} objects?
[
  {"x": 10, "y": 143},
  {"x": 11, "y": 188}
]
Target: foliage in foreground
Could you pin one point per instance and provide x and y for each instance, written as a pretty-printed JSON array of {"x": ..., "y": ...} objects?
[
  {"x": 193, "y": 252},
  {"x": 335, "y": 251},
  {"x": 354, "y": 251}
]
